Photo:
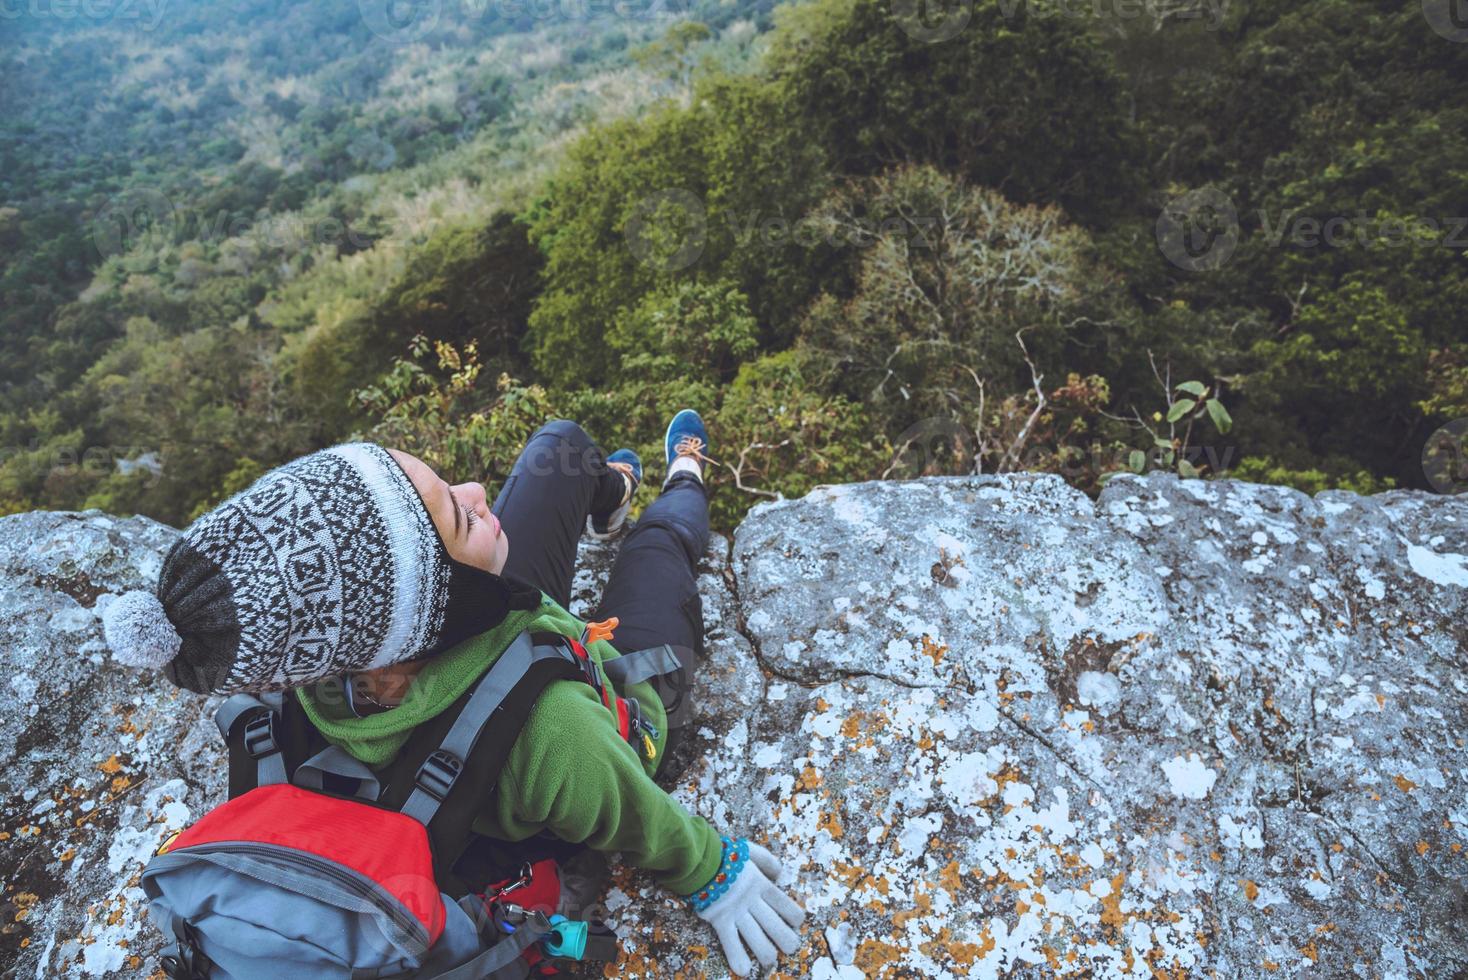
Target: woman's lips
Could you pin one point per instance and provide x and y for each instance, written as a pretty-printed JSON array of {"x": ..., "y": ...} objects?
[{"x": 495, "y": 523}]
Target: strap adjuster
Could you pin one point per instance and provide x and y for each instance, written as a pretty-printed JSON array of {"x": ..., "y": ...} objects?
[
  {"x": 437, "y": 774},
  {"x": 260, "y": 736}
]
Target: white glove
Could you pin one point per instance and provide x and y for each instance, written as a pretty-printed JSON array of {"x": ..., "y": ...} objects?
[{"x": 747, "y": 908}]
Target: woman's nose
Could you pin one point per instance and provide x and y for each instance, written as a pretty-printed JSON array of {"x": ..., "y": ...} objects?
[{"x": 474, "y": 495}]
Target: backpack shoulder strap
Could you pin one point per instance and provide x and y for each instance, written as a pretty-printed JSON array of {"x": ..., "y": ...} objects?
[
  {"x": 451, "y": 764},
  {"x": 267, "y": 735}
]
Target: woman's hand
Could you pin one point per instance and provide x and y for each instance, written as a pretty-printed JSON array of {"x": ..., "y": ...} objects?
[{"x": 747, "y": 908}]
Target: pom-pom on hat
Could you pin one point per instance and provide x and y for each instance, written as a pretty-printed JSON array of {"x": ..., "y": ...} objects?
[
  {"x": 326, "y": 565},
  {"x": 139, "y": 631}
]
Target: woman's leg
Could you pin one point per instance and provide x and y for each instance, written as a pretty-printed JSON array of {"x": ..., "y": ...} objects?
[
  {"x": 560, "y": 477},
  {"x": 653, "y": 590}
]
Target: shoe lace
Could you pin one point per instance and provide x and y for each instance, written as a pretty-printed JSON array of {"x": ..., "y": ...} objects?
[
  {"x": 630, "y": 477},
  {"x": 691, "y": 445}
]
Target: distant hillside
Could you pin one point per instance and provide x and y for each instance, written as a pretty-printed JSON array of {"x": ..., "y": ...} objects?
[{"x": 867, "y": 237}]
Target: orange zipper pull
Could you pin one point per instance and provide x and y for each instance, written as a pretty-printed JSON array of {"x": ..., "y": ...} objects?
[{"x": 600, "y": 631}]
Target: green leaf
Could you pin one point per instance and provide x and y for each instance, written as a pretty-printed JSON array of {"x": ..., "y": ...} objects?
[
  {"x": 1162, "y": 443},
  {"x": 1195, "y": 388},
  {"x": 1180, "y": 408},
  {"x": 1137, "y": 460},
  {"x": 1222, "y": 421},
  {"x": 1168, "y": 457},
  {"x": 1187, "y": 470}
]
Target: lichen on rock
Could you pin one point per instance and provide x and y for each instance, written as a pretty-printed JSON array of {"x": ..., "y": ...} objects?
[{"x": 993, "y": 727}]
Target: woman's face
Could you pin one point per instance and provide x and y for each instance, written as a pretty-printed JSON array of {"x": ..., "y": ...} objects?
[{"x": 461, "y": 514}]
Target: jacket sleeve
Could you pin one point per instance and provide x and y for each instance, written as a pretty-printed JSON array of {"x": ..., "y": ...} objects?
[{"x": 569, "y": 772}]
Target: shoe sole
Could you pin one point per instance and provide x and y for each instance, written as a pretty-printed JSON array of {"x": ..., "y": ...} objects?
[{"x": 596, "y": 535}]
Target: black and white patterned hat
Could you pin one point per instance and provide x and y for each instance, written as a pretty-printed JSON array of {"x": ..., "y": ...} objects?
[{"x": 325, "y": 565}]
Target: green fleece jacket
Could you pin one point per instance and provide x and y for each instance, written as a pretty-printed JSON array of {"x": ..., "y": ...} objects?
[{"x": 569, "y": 772}]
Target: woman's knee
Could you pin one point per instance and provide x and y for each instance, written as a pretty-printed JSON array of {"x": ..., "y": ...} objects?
[
  {"x": 562, "y": 447},
  {"x": 564, "y": 429}
]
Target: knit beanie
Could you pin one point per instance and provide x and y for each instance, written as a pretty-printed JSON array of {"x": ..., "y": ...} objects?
[{"x": 326, "y": 565}]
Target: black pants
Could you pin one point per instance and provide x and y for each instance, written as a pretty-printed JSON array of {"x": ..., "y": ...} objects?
[{"x": 562, "y": 476}]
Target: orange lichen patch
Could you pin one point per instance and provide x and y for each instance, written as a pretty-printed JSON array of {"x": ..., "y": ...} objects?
[
  {"x": 1325, "y": 930},
  {"x": 847, "y": 874},
  {"x": 1215, "y": 855},
  {"x": 935, "y": 651},
  {"x": 950, "y": 878},
  {"x": 1310, "y": 952},
  {"x": 822, "y": 705},
  {"x": 872, "y": 955},
  {"x": 1403, "y": 783},
  {"x": 1251, "y": 890},
  {"x": 830, "y": 823},
  {"x": 1270, "y": 965},
  {"x": 851, "y": 727},
  {"x": 1111, "y": 916},
  {"x": 1337, "y": 847},
  {"x": 923, "y": 903},
  {"x": 23, "y": 902},
  {"x": 809, "y": 779},
  {"x": 1422, "y": 847},
  {"x": 1381, "y": 700},
  {"x": 111, "y": 766}
]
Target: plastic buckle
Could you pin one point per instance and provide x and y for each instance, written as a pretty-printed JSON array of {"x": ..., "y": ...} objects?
[
  {"x": 509, "y": 917},
  {"x": 437, "y": 774},
  {"x": 260, "y": 738},
  {"x": 187, "y": 960}
]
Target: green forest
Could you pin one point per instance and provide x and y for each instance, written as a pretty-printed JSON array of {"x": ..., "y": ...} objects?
[{"x": 866, "y": 238}]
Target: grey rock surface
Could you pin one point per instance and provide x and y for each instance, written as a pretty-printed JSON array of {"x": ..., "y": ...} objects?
[{"x": 993, "y": 727}]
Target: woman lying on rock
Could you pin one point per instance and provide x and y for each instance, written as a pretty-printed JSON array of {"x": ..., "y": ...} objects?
[{"x": 392, "y": 611}]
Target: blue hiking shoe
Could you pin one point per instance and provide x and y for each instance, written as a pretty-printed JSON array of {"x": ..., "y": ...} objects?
[
  {"x": 604, "y": 527},
  {"x": 686, "y": 439}
]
